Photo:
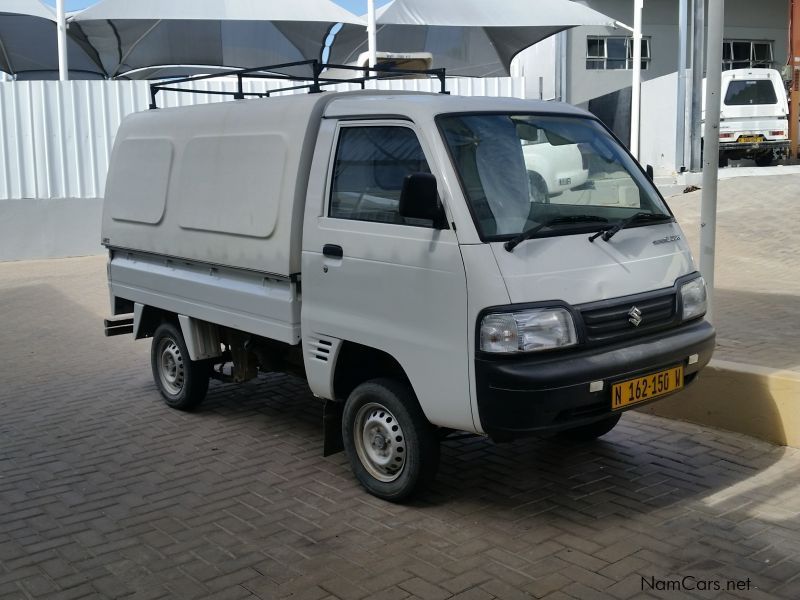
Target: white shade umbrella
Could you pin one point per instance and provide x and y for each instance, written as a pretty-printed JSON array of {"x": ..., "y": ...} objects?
[
  {"x": 468, "y": 37},
  {"x": 231, "y": 33},
  {"x": 28, "y": 43}
]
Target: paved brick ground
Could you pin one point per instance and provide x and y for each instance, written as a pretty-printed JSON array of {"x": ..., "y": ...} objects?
[
  {"x": 106, "y": 493},
  {"x": 757, "y": 269}
]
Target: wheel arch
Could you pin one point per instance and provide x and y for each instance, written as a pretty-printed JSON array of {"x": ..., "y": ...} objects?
[
  {"x": 146, "y": 320},
  {"x": 202, "y": 339},
  {"x": 357, "y": 363}
]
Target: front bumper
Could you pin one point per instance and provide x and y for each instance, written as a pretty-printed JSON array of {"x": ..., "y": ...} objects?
[{"x": 528, "y": 394}]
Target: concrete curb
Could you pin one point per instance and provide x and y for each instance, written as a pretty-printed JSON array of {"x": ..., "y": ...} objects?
[{"x": 756, "y": 401}]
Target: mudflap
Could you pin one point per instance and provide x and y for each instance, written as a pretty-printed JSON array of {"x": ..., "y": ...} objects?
[{"x": 332, "y": 442}]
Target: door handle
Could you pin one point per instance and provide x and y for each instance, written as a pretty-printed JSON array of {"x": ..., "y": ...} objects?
[{"x": 332, "y": 251}]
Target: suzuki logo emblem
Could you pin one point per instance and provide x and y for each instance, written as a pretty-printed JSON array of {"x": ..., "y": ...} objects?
[{"x": 635, "y": 317}]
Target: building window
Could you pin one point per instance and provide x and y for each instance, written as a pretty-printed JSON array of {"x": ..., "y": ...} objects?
[
  {"x": 610, "y": 53},
  {"x": 746, "y": 54}
]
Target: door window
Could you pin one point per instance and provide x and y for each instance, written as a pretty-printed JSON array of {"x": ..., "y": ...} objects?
[{"x": 368, "y": 173}]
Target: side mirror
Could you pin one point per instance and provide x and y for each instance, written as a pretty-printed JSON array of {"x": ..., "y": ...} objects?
[
  {"x": 649, "y": 171},
  {"x": 419, "y": 199}
]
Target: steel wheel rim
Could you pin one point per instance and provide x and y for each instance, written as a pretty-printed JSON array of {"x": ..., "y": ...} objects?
[
  {"x": 171, "y": 370},
  {"x": 380, "y": 442}
]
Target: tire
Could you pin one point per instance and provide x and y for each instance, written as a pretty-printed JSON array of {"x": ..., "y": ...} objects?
[
  {"x": 538, "y": 188},
  {"x": 182, "y": 382},
  {"x": 591, "y": 431},
  {"x": 765, "y": 160},
  {"x": 402, "y": 455},
  {"x": 723, "y": 162}
]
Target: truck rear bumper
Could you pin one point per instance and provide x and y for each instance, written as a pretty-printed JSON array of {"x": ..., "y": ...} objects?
[
  {"x": 530, "y": 394},
  {"x": 774, "y": 145}
]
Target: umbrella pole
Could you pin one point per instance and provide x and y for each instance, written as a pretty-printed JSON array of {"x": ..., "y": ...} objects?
[
  {"x": 708, "y": 210},
  {"x": 680, "y": 124},
  {"x": 372, "y": 41},
  {"x": 698, "y": 43},
  {"x": 636, "y": 87},
  {"x": 63, "y": 61}
]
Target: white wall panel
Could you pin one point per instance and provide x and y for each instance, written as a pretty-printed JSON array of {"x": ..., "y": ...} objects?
[{"x": 56, "y": 137}]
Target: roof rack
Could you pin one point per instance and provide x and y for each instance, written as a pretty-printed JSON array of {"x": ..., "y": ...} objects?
[{"x": 313, "y": 84}]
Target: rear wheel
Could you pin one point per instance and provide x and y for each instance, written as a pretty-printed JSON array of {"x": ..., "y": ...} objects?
[
  {"x": 392, "y": 448},
  {"x": 592, "y": 430},
  {"x": 765, "y": 160},
  {"x": 182, "y": 382}
]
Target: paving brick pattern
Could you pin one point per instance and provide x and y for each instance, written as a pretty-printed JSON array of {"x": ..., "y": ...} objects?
[{"x": 106, "y": 493}]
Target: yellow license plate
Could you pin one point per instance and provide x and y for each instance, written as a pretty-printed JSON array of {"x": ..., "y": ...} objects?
[
  {"x": 644, "y": 388},
  {"x": 751, "y": 139}
]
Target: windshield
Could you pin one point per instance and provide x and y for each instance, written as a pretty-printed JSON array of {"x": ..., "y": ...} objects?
[
  {"x": 518, "y": 171},
  {"x": 745, "y": 92}
]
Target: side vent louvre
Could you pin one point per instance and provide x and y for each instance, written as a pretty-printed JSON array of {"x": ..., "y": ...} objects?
[{"x": 319, "y": 349}]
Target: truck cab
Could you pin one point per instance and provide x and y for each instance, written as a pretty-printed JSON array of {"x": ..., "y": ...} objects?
[{"x": 406, "y": 267}]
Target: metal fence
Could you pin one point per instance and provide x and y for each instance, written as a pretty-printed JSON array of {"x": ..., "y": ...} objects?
[{"x": 56, "y": 137}]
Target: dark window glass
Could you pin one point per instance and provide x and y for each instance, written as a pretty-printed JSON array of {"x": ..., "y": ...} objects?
[
  {"x": 614, "y": 53},
  {"x": 762, "y": 52},
  {"x": 741, "y": 51},
  {"x": 645, "y": 49},
  {"x": 617, "y": 47},
  {"x": 595, "y": 48},
  {"x": 645, "y": 54},
  {"x": 746, "y": 54},
  {"x": 750, "y": 91},
  {"x": 371, "y": 164}
]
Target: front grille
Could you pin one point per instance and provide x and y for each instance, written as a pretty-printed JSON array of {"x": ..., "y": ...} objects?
[{"x": 611, "y": 320}]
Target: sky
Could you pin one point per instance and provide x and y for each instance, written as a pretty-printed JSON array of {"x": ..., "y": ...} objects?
[{"x": 358, "y": 7}]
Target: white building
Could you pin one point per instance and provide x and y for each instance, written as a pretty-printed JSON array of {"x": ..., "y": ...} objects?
[{"x": 591, "y": 66}]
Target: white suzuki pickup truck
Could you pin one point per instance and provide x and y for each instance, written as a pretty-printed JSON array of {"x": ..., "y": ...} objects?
[{"x": 389, "y": 248}]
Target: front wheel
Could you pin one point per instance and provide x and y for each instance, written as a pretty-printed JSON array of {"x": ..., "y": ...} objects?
[
  {"x": 585, "y": 433},
  {"x": 182, "y": 382},
  {"x": 392, "y": 448}
]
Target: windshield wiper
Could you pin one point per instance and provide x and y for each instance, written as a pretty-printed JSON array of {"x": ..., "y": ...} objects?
[
  {"x": 609, "y": 232},
  {"x": 529, "y": 233}
]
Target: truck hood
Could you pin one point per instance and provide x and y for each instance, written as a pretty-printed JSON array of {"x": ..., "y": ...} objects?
[{"x": 572, "y": 269}]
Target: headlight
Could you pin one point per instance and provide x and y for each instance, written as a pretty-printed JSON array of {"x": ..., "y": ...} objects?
[
  {"x": 528, "y": 331},
  {"x": 694, "y": 298}
]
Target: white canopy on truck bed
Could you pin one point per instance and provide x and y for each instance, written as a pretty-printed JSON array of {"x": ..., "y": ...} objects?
[{"x": 220, "y": 183}]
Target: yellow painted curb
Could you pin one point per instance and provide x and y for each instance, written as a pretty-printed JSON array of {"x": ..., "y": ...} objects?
[{"x": 757, "y": 401}]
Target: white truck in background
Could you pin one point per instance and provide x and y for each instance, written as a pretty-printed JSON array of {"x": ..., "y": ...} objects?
[
  {"x": 754, "y": 116},
  {"x": 388, "y": 247},
  {"x": 553, "y": 168}
]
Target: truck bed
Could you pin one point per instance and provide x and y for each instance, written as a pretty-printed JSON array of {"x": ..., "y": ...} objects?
[{"x": 250, "y": 301}]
